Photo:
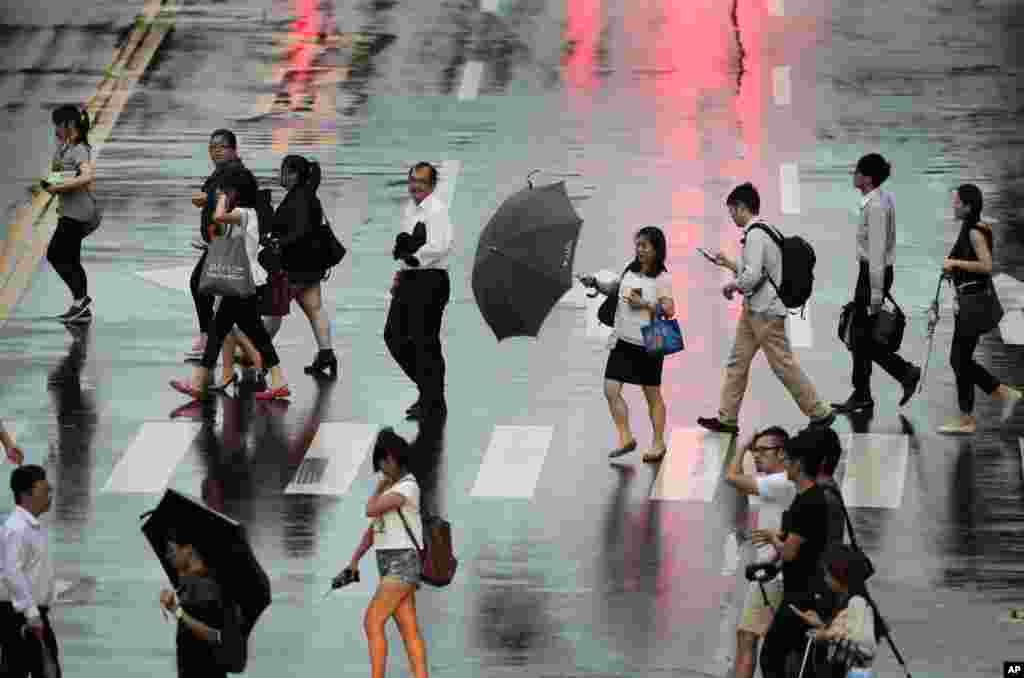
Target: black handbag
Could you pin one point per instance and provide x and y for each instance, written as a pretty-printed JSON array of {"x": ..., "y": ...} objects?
[
  {"x": 979, "y": 309},
  {"x": 331, "y": 249},
  {"x": 606, "y": 311},
  {"x": 889, "y": 326}
]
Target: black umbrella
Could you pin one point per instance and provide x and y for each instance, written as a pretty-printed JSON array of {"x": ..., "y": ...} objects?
[
  {"x": 223, "y": 544},
  {"x": 524, "y": 260}
]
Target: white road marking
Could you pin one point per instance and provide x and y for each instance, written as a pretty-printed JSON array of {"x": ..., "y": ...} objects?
[
  {"x": 333, "y": 459},
  {"x": 489, "y": 6},
  {"x": 781, "y": 86},
  {"x": 472, "y": 73},
  {"x": 176, "y": 278},
  {"x": 800, "y": 333},
  {"x": 146, "y": 467},
  {"x": 512, "y": 463},
  {"x": 789, "y": 183},
  {"x": 595, "y": 330},
  {"x": 692, "y": 467},
  {"x": 1011, "y": 295},
  {"x": 876, "y": 469}
]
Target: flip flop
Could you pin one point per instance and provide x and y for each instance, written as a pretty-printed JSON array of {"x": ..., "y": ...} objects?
[
  {"x": 650, "y": 458},
  {"x": 625, "y": 449},
  {"x": 187, "y": 389},
  {"x": 224, "y": 385}
]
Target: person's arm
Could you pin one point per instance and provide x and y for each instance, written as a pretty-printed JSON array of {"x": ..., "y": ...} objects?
[
  {"x": 199, "y": 199},
  {"x": 440, "y": 238},
  {"x": 384, "y": 500},
  {"x": 735, "y": 476},
  {"x": 984, "y": 262},
  {"x": 365, "y": 544},
  {"x": 608, "y": 289},
  {"x": 752, "y": 272},
  {"x": 663, "y": 292},
  {"x": 221, "y": 215},
  {"x": 20, "y": 588},
  {"x": 86, "y": 176},
  {"x": 877, "y": 216}
]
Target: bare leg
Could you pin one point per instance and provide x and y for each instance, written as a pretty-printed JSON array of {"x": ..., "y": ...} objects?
[
  {"x": 311, "y": 303},
  {"x": 656, "y": 406},
  {"x": 385, "y": 602},
  {"x": 408, "y": 626},
  {"x": 619, "y": 410}
]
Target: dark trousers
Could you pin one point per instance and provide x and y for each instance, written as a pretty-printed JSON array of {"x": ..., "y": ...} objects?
[
  {"x": 245, "y": 313},
  {"x": 413, "y": 330},
  {"x": 786, "y": 635},
  {"x": 968, "y": 372},
  {"x": 865, "y": 350},
  {"x": 203, "y": 302},
  {"x": 22, "y": 655},
  {"x": 65, "y": 255}
]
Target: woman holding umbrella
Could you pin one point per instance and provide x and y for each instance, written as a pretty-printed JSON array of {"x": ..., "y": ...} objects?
[
  {"x": 644, "y": 286},
  {"x": 395, "y": 512}
]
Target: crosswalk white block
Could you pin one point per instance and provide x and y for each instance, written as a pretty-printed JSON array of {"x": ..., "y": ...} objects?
[
  {"x": 875, "y": 470},
  {"x": 147, "y": 464},
  {"x": 330, "y": 465},
  {"x": 693, "y": 466},
  {"x": 513, "y": 461}
]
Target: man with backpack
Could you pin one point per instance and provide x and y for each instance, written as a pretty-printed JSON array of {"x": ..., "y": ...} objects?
[{"x": 768, "y": 289}]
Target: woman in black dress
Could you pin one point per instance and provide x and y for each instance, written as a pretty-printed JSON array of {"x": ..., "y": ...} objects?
[
  {"x": 969, "y": 265},
  {"x": 298, "y": 223}
]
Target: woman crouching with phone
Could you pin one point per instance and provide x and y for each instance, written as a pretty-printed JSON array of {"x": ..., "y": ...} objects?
[{"x": 394, "y": 510}]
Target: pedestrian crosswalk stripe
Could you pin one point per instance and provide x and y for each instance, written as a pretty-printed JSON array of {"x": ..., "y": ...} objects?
[
  {"x": 176, "y": 278},
  {"x": 789, "y": 182},
  {"x": 692, "y": 467},
  {"x": 489, "y": 6},
  {"x": 472, "y": 73},
  {"x": 800, "y": 333},
  {"x": 147, "y": 464},
  {"x": 1011, "y": 295},
  {"x": 876, "y": 469},
  {"x": 333, "y": 459},
  {"x": 781, "y": 89},
  {"x": 512, "y": 463}
]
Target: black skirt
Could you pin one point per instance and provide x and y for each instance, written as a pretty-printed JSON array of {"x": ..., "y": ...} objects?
[{"x": 632, "y": 364}]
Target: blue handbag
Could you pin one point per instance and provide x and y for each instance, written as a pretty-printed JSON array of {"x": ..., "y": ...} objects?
[{"x": 663, "y": 336}]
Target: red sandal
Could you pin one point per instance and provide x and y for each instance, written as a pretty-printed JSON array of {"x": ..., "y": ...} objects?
[
  {"x": 274, "y": 393},
  {"x": 187, "y": 388}
]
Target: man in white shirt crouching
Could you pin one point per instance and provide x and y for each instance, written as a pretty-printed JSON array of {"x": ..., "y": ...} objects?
[
  {"x": 770, "y": 493},
  {"x": 27, "y": 589}
]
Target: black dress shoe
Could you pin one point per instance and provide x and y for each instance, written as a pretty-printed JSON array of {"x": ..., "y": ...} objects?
[
  {"x": 855, "y": 403},
  {"x": 910, "y": 384},
  {"x": 713, "y": 424},
  {"x": 427, "y": 411},
  {"x": 414, "y": 408},
  {"x": 325, "y": 362}
]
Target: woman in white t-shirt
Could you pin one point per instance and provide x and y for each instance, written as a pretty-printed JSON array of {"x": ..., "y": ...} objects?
[
  {"x": 397, "y": 496},
  {"x": 645, "y": 286},
  {"x": 244, "y": 312}
]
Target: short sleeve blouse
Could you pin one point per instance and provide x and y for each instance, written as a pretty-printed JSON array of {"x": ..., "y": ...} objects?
[{"x": 629, "y": 322}]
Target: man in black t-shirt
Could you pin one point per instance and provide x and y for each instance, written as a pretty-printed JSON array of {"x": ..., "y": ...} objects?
[{"x": 803, "y": 539}]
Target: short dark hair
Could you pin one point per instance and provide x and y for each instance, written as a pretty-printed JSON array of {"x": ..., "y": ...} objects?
[
  {"x": 970, "y": 195},
  {"x": 802, "y": 448},
  {"x": 69, "y": 113},
  {"x": 773, "y": 431},
  {"x": 427, "y": 166},
  {"x": 747, "y": 195},
  {"x": 876, "y": 167},
  {"x": 229, "y": 137},
  {"x": 656, "y": 237},
  {"x": 24, "y": 478},
  {"x": 390, "y": 444},
  {"x": 831, "y": 450}
]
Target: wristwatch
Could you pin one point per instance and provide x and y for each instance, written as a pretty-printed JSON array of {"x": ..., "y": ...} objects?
[{"x": 179, "y": 613}]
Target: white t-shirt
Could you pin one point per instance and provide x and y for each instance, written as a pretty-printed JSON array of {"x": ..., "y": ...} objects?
[
  {"x": 776, "y": 494},
  {"x": 388, "y": 531},
  {"x": 250, "y": 229},
  {"x": 629, "y": 321}
]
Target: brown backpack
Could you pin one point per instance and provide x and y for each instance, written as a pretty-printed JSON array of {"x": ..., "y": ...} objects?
[{"x": 436, "y": 555}]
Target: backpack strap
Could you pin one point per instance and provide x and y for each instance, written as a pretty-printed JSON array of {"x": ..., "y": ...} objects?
[
  {"x": 846, "y": 516},
  {"x": 407, "y": 530},
  {"x": 777, "y": 239}
]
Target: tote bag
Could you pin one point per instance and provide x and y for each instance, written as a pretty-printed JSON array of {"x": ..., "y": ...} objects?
[
  {"x": 979, "y": 308},
  {"x": 662, "y": 336},
  {"x": 227, "y": 272}
]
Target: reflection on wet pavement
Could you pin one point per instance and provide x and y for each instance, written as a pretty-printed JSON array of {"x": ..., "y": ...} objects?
[{"x": 650, "y": 112}]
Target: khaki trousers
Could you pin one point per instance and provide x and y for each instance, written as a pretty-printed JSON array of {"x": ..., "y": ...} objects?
[{"x": 768, "y": 333}]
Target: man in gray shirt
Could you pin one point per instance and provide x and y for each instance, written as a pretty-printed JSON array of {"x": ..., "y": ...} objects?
[
  {"x": 762, "y": 324},
  {"x": 876, "y": 244}
]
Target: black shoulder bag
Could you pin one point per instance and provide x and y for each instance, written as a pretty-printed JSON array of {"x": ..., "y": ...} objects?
[{"x": 606, "y": 311}]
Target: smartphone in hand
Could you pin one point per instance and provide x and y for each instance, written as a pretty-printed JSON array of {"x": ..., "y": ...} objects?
[{"x": 707, "y": 255}]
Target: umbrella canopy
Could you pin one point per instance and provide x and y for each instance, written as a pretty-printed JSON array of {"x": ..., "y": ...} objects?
[
  {"x": 524, "y": 260},
  {"x": 223, "y": 544}
]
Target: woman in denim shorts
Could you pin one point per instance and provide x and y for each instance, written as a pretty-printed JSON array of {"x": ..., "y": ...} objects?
[{"x": 397, "y": 496}]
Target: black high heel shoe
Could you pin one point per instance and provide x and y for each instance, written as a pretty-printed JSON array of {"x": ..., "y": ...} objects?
[{"x": 325, "y": 360}]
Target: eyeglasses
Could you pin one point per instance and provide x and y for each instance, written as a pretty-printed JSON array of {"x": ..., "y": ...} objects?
[{"x": 765, "y": 450}]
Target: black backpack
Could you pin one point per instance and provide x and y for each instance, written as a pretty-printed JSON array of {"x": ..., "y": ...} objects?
[{"x": 797, "y": 268}]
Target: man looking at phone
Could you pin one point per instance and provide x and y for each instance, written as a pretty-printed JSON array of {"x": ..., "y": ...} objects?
[
  {"x": 771, "y": 492},
  {"x": 762, "y": 324}
]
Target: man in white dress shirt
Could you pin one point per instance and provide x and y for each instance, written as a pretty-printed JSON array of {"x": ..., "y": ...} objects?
[
  {"x": 28, "y": 577},
  {"x": 421, "y": 291}
]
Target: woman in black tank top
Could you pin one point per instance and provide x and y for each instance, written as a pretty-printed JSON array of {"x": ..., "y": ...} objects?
[{"x": 969, "y": 265}]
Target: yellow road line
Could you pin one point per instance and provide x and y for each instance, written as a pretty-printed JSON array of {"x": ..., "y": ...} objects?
[{"x": 34, "y": 221}]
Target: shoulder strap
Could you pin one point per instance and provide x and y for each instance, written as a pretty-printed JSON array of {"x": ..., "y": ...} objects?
[
  {"x": 846, "y": 516},
  {"x": 777, "y": 239},
  {"x": 407, "y": 530}
]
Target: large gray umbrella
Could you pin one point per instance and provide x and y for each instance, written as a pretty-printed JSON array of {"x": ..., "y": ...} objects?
[{"x": 524, "y": 260}]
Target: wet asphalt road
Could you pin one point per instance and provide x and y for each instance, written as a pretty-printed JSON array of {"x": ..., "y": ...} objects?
[{"x": 650, "y": 112}]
